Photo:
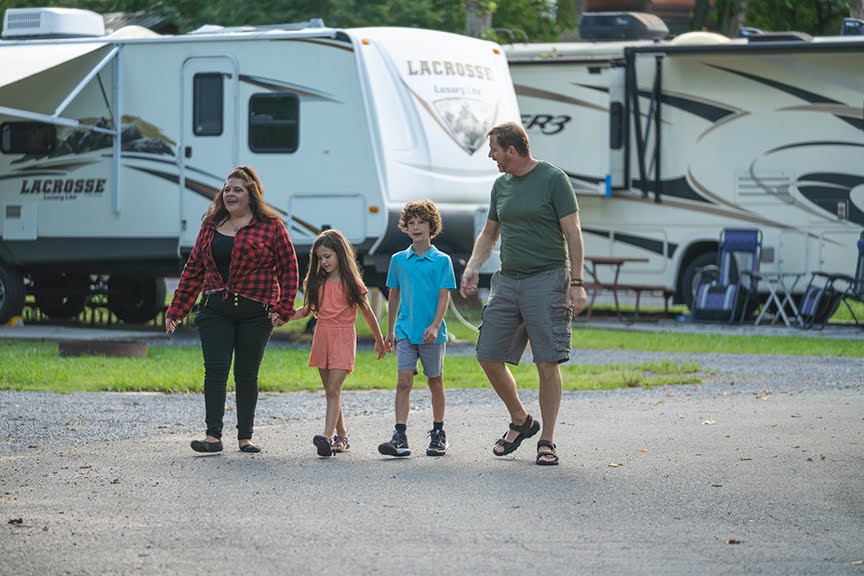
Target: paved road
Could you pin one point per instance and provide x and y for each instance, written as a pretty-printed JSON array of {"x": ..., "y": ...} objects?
[{"x": 757, "y": 471}]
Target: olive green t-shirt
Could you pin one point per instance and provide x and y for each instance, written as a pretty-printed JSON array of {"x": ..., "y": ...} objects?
[{"x": 528, "y": 209}]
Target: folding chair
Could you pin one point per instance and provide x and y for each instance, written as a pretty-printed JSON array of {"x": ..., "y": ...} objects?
[
  {"x": 731, "y": 295},
  {"x": 820, "y": 300},
  {"x": 823, "y": 294}
]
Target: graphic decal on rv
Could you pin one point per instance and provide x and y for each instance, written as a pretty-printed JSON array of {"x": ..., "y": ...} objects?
[
  {"x": 710, "y": 111},
  {"x": 522, "y": 90},
  {"x": 854, "y": 114},
  {"x": 137, "y": 135},
  {"x": 280, "y": 86},
  {"x": 467, "y": 121},
  {"x": 296, "y": 225},
  {"x": 649, "y": 244},
  {"x": 707, "y": 109},
  {"x": 460, "y": 96},
  {"x": 833, "y": 192}
]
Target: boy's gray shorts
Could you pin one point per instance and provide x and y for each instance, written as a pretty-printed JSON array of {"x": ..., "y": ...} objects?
[
  {"x": 431, "y": 356},
  {"x": 531, "y": 309}
]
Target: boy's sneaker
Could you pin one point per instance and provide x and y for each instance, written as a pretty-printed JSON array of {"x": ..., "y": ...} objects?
[
  {"x": 437, "y": 443},
  {"x": 397, "y": 446},
  {"x": 340, "y": 444}
]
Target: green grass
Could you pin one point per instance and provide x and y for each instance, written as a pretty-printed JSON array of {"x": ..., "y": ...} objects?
[{"x": 179, "y": 369}]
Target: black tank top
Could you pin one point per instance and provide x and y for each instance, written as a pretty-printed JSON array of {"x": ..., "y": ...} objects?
[{"x": 221, "y": 246}]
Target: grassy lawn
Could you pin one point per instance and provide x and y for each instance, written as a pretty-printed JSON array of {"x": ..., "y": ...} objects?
[{"x": 178, "y": 369}]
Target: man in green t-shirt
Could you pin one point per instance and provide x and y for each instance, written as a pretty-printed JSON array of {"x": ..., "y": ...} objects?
[{"x": 538, "y": 289}]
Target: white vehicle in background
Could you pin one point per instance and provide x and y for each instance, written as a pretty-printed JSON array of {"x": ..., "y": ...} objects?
[
  {"x": 113, "y": 145},
  {"x": 668, "y": 142}
]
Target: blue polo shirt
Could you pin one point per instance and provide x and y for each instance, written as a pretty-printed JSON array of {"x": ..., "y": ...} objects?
[{"x": 419, "y": 279}]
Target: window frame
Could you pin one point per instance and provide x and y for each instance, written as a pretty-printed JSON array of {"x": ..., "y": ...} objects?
[
  {"x": 259, "y": 122},
  {"x": 199, "y": 91}
]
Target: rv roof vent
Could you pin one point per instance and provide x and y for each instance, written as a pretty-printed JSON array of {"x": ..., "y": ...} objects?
[
  {"x": 698, "y": 38},
  {"x": 51, "y": 23}
]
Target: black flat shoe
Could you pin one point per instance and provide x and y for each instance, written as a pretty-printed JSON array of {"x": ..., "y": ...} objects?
[
  {"x": 251, "y": 448},
  {"x": 205, "y": 446}
]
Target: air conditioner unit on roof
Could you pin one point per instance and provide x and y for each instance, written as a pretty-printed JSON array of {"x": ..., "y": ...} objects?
[{"x": 21, "y": 23}]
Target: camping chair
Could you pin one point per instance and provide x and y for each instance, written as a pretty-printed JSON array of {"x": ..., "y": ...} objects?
[
  {"x": 730, "y": 295},
  {"x": 824, "y": 295}
]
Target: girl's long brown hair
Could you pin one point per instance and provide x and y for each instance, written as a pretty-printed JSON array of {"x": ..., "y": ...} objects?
[
  {"x": 217, "y": 211},
  {"x": 348, "y": 270}
]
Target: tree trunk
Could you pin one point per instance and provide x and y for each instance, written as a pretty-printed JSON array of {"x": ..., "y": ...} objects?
[
  {"x": 856, "y": 9},
  {"x": 734, "y": 16},
  {"x": 700, "y": 15},
  {"x": 477, "y": 19}
]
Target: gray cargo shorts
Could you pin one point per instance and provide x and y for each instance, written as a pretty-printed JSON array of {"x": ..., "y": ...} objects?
[
  {"x": 430, "y": 355},
  {"x": 531, "y": 309}
]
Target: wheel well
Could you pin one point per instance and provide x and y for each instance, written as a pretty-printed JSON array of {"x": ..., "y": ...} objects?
[{"x": 693, "y": 251}]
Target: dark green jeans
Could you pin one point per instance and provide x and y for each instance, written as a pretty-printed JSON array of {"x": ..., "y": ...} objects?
[{"x": 232, "y": 327}]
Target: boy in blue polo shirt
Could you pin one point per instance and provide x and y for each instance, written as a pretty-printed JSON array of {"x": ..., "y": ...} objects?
[{"x": 420, "y": 279}]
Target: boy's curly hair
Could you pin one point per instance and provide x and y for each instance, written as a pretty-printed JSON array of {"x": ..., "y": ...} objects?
[{"x": 424, "y": 210}]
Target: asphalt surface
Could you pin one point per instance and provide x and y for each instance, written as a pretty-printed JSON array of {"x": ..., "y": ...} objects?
[{"x": 758, "y": 470}]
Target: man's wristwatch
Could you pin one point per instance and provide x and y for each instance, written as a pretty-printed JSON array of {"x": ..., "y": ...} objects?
[{"x": 577, "y": 282}]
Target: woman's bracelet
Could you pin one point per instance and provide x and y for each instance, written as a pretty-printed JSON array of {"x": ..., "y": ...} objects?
[{"x": 577, "y": 282}]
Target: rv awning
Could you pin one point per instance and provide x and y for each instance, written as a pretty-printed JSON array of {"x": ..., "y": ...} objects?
[
  {"x": 27, "y": 61},
  {"x": 23, "y": 61}
]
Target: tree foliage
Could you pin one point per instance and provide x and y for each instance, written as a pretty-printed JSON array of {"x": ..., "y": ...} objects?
[
  {"x": 542, "y": 20},
  {"x": 815, "y": 17}
]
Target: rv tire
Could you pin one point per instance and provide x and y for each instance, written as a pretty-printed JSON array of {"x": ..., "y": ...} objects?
[
  {"x": 135, "y": 299},
  {"x": 62, "y": 295},
  {"x": 11, "y": 293},
  {"x": 692, "y": 272}
]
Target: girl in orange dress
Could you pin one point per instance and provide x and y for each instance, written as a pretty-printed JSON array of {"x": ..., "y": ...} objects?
[{"x": 333, "y": 291}]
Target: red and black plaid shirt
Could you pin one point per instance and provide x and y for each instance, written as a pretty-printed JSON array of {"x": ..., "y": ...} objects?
[{"x": 263, "y": 268}]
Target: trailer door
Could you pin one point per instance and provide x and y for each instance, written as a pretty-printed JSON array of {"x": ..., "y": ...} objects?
[{"x": 209, "y": 148}]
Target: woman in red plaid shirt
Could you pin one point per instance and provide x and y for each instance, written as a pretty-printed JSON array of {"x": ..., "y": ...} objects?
[{"x": 244, "y": 266}]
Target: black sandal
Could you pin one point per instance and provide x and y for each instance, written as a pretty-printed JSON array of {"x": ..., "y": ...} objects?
[
  {"x": 526, "y": 430},
  {"x": 205, "y": 446},
  {"x": 546, "y": 458}
]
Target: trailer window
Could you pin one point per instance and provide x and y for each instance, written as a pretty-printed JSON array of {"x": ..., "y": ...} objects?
[
  {"x": 207, "y": 98},
  {"x": 27, "y": 138},
  {"x": 274, "y": 122}
]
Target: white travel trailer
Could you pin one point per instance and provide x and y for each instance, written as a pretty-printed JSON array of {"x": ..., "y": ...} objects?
[
  {"x": 113, "y": 145},
  {"x": 669, "y": 142}
]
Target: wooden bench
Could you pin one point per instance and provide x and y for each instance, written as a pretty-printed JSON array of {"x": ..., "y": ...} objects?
[{"x": 638, "y": 289}]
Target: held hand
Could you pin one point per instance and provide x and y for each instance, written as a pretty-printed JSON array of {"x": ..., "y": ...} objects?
[
  {"x": 470, "y": 279},
  {"x": 275, "y": 320},
  {"x": 578, "y": 299},
  {"x": 380, "y": 348},
  {"x": 170, "y": 325},
  {"x": 390, "y": 343}
]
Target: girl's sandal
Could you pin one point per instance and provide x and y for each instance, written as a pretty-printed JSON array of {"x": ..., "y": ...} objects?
[
  {"x": 529, "y": 428},
  {"x": 340, "y": 444},
  {"x": 546, "y": 458}
]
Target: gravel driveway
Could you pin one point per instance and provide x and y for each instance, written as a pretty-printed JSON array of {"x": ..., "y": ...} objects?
[{"x": 758, "y": 470}]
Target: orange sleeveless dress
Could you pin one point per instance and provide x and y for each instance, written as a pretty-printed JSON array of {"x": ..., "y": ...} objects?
[{"x": 334, "y": 344}]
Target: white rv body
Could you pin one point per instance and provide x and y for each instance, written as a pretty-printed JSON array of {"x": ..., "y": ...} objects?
[
  {"x": 379, "y": 116},
  {"x": 765, "y": 135}
]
